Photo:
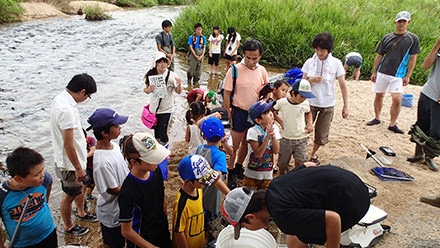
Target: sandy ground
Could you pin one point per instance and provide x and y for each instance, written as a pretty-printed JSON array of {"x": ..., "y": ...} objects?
[{"x": 38, "y": 10}]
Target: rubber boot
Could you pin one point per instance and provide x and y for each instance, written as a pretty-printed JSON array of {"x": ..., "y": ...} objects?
[
  {"x": 239, "y": 171},
  {"x": 418, "y": 156},
  {"x": 431, "y": 164},
  {"x": 232, "y": 182}
]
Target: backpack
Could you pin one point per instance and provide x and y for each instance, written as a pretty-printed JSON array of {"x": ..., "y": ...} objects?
[{"x": 234, "y": 81}]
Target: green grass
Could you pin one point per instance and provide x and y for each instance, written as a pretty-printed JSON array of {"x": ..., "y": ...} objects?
[
  {"x": 95, "y": 13},
  {"x": 10, "y": 11},
  {"x": 286, "y": 27}
]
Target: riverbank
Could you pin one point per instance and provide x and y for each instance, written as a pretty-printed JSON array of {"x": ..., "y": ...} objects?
[{"x": 40, "y": 10}]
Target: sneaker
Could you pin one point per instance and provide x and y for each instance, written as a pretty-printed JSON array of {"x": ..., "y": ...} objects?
[
  {"x": 373, "y": 122},
  {"x": 88, "y": 217},
  {"x": 395, "y": 129},
  {"x": 76, "y": 230}
]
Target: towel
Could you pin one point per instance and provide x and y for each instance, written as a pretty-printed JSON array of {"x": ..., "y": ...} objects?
[{"x": 321, "y": 68}]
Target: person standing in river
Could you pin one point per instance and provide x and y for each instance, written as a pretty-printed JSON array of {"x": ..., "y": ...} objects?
[
  {"x": 165, "y": 42},
  {"x": 393, "y": 66},
  {"x": 70, "y": 149},
  {"x": 197, "y": 46}
]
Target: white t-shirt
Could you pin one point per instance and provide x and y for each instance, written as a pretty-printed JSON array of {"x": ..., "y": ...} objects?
[
  {"x": 196, "y": 138},
  {"x": 294, "y": 121},
  {"x": 264, "y": 170},
  {"x": 232, "y": 45},
  {"x": 216, "y": 44},
  {"x": 329, "y": 69},
  {"x": 64, "y": 116},
  {"x": 109, "y": 172},
  {"x": 167, "y": 103}
]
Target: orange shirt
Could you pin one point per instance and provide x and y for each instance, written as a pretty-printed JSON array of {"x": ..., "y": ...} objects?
[{"x": 248, "y": 85}]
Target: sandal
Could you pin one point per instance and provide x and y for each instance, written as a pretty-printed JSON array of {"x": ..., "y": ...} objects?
[{"x": 315, "y": 160}]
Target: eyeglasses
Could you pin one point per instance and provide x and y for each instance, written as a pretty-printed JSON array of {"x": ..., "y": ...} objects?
[{"x": 89, "y": 95}]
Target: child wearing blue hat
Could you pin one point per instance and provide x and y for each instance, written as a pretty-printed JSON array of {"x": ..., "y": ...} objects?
[
  {"x": 263, "y": 142},
  {"x": 188, "y": 218},
  {"x": 297, "y": 123}
]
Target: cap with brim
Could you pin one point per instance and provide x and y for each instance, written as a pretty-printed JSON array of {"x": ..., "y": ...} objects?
[
  {"x": 196, "y": 167},
  {"x": 149, "y": 149},
  {"x": 106, "y": 116},
  {"x": 212, "y": 96},
  {"x": 302, "y": 86},
  {"x": 235, "y": 204},
  {"x": 212, "y": 127},
  {"x": 259, "y": 107},
  {"x": 403, "y": 15},
  {"x": 158, "y": 55}
]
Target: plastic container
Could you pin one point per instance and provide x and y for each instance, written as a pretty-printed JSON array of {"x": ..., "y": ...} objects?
[
  {"x": 248, "y": 239},
  {"x": 407, "y": 100}
]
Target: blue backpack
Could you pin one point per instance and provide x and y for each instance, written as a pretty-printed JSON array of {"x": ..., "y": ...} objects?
[{"x": 234, "y": 81}]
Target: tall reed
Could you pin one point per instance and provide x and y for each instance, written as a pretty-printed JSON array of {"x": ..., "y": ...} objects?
[
  {"x": 286, "y": 27},
  {"x": 10, "y": 11}
]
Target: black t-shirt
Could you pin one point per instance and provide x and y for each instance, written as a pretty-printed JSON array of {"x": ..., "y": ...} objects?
[
  {"x": 395, "y": 61},
  {"x": 147, "y": 198},
  {"x": 297, "y": 201}
]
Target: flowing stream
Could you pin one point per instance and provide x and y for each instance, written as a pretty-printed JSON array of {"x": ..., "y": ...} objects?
[{"x": 38, "y": 58}]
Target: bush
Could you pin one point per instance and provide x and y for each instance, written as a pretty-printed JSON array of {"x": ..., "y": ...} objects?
[
  {"x": 286, "y": 28},
  {"x": 10, "y": 11},
  {"x": 95, "y": 13},
  {"x": 136, "y": 3}
]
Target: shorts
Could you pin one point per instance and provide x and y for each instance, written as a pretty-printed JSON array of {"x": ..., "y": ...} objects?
[
  {"x": 323, "y": 118},
  {"x": 240, "y": 120},
  {"x": 354, "y": 61},
  {"x": 255, "y": 183},
  {"x": 231, "y": 57},
  {"x": 289, "y": 147},
  {"x": 68, "y": 184},
  {"x": 428, "y": 116},
  {"x": 50, "y": 241},
  {"x": 383, "y": 81},
  {"x": 112, "y": 236},
  {"x": 89, "y": 178},
  {"x": 214, "y": 59}
]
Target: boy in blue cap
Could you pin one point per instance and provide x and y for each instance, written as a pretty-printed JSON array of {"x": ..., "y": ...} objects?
[
  {"x": 297, "y": 123},
  {"x": 213, "y": 131},
  {"x": 109, "y": 172},
  {"x": 263, "y": 142},
  {"x": 188, "y": 218}
]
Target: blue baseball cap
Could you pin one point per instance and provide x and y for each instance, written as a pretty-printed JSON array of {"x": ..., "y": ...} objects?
[
  {"x": 302, "y": 86},
  {"x": 197, "y": 167},
  {"x": 258, "y": 108},
  {"x": 211, "y": 128},
  {"x": 105, "y": 116}
]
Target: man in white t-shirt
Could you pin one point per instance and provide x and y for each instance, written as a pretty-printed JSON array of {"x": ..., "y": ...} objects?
[
  {"x": 70, "y": 149},
  {"x": 321, "y": 71},
  {"x": 109, "y": 172}
]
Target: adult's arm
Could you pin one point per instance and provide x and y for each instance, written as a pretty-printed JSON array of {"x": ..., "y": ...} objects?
[
  {"x": 220, "y": 185},
  {"x": 71, "y": 154},
  {"x": 178, "y": 89},
  {"x": 316, "y": 79},
  {"x": 91, "y": 151},
  {"x": 375, "y": 66},
  {"x": 344, "y": 92},
  {"x": 128, "y": 233},
  {"x": 227, "y": 102},
  {"x": 332, "y": 229},
  {"x": 114, "y": 191},
  {"x": 181, "y": 239},
  {"x": 430, "y": 59},
  {"x": 411, "y": 65}
]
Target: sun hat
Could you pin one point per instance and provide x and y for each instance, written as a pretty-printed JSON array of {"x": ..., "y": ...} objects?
[
  {"x": 212, "y": 127},
  {"x": 211, "y": 94},
  {"x": 158, "y": 55},
  {"x": 197, "y": 167},
  {"x": 403, "y": 15},
  {"x": 302, "y": 86},
  {"x": 258, "y": 108},
  {"x": 149, "y": 149},
  {"x": 105, "y": 116}
]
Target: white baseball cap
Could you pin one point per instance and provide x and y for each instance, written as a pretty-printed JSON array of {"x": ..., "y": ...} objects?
[
  {"x": 149, "y": 149},
  {"x": 403, "y": 15}
]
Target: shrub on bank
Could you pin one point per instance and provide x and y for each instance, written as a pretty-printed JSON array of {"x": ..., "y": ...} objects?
[
  {"x": 148, "y": 3},
  {"x": 95, "y": 13},
  {"x": 286, "y": 28},
  {"x": 10, "y": 11}
]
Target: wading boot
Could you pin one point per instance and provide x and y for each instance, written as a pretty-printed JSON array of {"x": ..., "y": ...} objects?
[
  {"x": 431, "y": 200},
  {"x": 418, "y": 156},
  {"x": 431, "y": 164}
]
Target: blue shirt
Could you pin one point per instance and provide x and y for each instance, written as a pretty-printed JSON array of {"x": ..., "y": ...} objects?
[
  {"x": 215, "y": 157},
  {"x": 197, "y": 45},
  {"x": 37, "y": 222}
]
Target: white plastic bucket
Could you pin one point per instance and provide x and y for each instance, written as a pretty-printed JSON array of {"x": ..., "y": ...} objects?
[{"x": 248, "y": 239}]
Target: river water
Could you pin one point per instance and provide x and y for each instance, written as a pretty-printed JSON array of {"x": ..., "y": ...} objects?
[{"x": 38, "y": 58}]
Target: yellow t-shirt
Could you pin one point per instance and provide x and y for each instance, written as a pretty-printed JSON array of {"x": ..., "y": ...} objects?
[{"x": 188, "y": 217}]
